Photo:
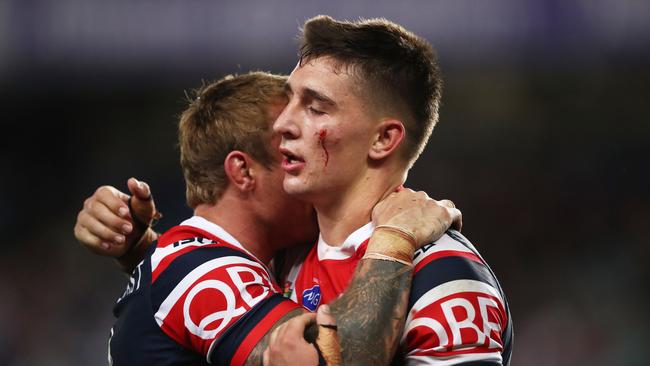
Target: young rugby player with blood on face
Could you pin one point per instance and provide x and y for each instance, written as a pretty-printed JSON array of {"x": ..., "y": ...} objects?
[
  {"x": 363, "y": 101},
  {"x": 203, "y": 293}
]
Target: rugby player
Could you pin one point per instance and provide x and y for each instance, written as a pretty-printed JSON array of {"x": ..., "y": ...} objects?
[
  {"x": 363, "y": 101},
  {"x": 204, "y": 293}
]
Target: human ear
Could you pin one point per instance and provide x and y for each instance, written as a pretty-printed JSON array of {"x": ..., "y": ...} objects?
[
  {"x": 237, "y": 166},
  {"x": 388, "y": 137}
]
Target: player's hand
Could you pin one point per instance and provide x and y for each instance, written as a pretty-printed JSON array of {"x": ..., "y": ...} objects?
[
  {"x": 417, "y": 213},
  {"x": 287, "y": 345},
  {"x": 104, "y": 224}
]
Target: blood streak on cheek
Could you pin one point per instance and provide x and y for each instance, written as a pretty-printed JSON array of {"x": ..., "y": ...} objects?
[{"x": 322, "y": 135}]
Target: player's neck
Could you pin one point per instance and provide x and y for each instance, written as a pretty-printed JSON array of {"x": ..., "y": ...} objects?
[
  {"x": 233, "y": 216},
  {"x": 349, "y": 210}
]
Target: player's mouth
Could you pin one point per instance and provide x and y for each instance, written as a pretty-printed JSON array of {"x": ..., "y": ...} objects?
[{"x": 291, "y": 163}]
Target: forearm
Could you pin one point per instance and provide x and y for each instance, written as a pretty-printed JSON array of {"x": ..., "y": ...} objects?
[{"x": 370, "y": 315}]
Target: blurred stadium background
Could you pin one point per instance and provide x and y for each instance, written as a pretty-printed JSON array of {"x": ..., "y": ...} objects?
[{"x": 543, "y": 142}]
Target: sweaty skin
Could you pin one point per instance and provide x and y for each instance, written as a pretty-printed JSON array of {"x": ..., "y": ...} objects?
[{"x": 322, "y": 135}]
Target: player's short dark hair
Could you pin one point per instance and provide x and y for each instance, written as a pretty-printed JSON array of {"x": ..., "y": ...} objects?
[
  {"x": 398, "y": 70},
  {"x": 226, "y": 115}
]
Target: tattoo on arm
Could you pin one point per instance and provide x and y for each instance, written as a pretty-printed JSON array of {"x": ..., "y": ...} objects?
[
  {"x": 255, "y": 357},
  {"x": 370, "y": 315},
  {"x": 376, "y": 303}
]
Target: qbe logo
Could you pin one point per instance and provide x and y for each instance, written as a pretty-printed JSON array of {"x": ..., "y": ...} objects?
[
  {"x": 311, "y": 298},
  {"x": 216, "y": 303}
]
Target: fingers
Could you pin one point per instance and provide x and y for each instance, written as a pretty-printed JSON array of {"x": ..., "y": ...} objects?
[
  {"x": 287, "y": 345},
  {"x": 108, "y": 206},
  {"x": 99, "y": 230},
  {"x": 324, "y": 316},
  {"x": 418, "y": 214},
  {"x": 88, "y": 239},
  {"x": 456, "y": 219},
  {"x": 112, "y": 198},
  {"x": 104, "y": 222},
  {"x": 447, "y": 203},
  {"x": 142, "y": 202},
  {"x": 274, "y": 334},
  {"x": 96, "y": 244},
  {"x": 400, "y": 208},
  {"x": 266, "y": 357},
  {"x": 89, "y": 221},
  {"x": 139, "y": 189},
  {"x": 110, "y": 218},
  {"x": 296, "y": 327},
  {"x": 455, "y": 216}
]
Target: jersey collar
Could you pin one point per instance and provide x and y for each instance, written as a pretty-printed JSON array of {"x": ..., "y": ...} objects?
[
  {"x": 349, "y": 246},
  {"x": 221, "y": 233},
  {"x": 214, "y": 229}
]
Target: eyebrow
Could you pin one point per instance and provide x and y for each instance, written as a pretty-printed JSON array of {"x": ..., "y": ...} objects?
[
  {"x": 319, "y": 97},
  {"x": 311, "y": 93}
]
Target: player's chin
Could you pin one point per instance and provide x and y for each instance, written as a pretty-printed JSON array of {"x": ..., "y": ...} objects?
[{"x": 294, "y": 187}]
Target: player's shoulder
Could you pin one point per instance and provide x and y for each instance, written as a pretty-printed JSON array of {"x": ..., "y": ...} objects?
[
  {"x": 184, "y": 248},
  {"x": 452, "y": 243},
  {"x": 198, "y": 275},
  {"x": 451, "y": 255},
  {"x": 187, "y": 258},
  {"x": 458, "y": 309},
  {"x": 452, "y": 265}
]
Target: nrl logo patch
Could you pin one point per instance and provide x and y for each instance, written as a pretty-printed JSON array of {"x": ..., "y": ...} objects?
[{"x": 311, "y": 298}]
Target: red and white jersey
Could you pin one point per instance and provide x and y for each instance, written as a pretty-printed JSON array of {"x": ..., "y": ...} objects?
[
  {"x": 197, "y": 297},
  {"x": 457, "y": 311}
]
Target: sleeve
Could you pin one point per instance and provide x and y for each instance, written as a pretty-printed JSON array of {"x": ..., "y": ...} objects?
[
  {"x": 457, "y": 313},
  {"x": 218, "y": 302}
]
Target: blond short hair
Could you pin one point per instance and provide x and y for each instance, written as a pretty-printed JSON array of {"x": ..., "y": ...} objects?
[{"x": 226, "y": 115}]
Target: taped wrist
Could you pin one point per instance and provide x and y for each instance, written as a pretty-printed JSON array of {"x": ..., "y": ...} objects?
[
  {"x": 391, "y": 243},
  {"x": 321, "y": 359},
  {"x": 327, "y": 345},
  {"x": 139, "y": 226}
]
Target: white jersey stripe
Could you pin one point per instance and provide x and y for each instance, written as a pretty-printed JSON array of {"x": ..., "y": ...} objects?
[
  {"x": 445, "y": 243},
  {"x": 454, "y": 360},
  {"x": 449, "y": 288},
  {"x": 214, "y": 229},
  {"x": 200, "y": 223},
  {"x": 161, "y": 253}
]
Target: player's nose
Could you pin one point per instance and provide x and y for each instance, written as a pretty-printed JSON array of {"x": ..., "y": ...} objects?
[{"x": 285, "y": 124}]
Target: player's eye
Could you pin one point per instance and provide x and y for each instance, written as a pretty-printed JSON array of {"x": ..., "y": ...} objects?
[{"x": 315, "y": 111}]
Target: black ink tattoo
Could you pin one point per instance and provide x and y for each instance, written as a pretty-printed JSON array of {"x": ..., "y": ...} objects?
[
  {"x": 370, "y": 315},
  {"x": 375, "y": 303}
]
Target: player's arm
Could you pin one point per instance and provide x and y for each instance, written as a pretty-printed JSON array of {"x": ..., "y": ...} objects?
[
  {"x": 106, "y": 226},
  {"x": 370, "y": 314}
]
